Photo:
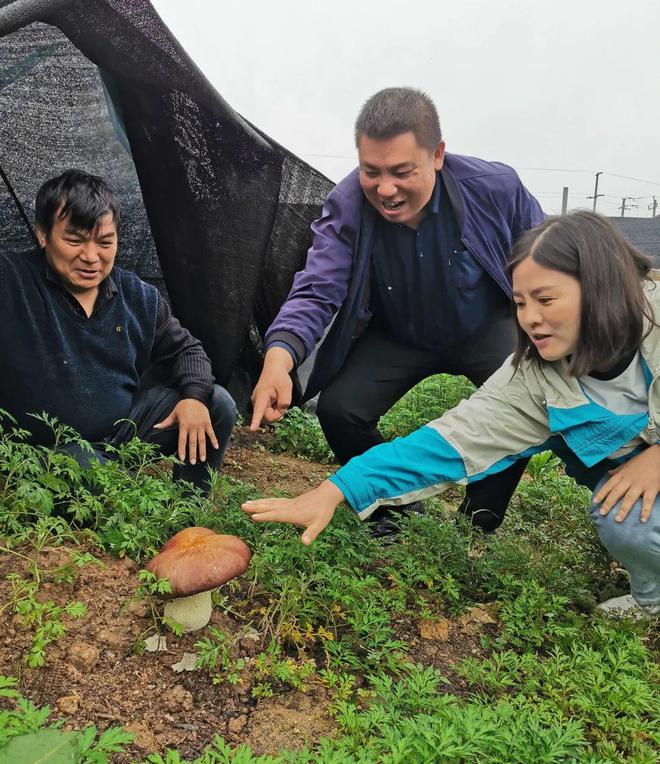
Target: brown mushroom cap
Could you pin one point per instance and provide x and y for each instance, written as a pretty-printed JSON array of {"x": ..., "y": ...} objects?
[{"x": 198, "y": 559}]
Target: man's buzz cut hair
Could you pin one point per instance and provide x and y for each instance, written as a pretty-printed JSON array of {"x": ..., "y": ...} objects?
[{"x": 394, "y": 111}]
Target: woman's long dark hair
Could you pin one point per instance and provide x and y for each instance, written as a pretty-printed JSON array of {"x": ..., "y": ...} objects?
[{"x": 611, "y": 273}]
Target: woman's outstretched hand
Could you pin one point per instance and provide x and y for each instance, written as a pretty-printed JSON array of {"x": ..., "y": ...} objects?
[
  {"x": 312, "y": 510},
  {"x": 638, "y": 478}
]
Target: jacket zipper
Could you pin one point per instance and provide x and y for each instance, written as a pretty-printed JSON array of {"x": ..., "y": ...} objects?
[{"x": 651, "y": 426}]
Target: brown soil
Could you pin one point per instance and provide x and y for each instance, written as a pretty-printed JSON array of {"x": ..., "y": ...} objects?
[
  {"x": 95, "y": 676},
  {"x": 248, "y": 460}
]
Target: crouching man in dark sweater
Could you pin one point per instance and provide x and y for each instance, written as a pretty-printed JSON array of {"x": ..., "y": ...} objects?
[{"x": 78, "y": 334}]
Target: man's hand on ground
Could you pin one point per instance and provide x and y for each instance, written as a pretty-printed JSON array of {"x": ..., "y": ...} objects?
[
  {"x": 271, "y": 397},
  {"x": 194, "y": 422},
  {"x": 312, "y": 510}
]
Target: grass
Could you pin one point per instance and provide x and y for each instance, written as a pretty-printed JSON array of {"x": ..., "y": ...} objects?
[
  {"x": 556, "y": 682},
  {"x": 300, "y": 433}
]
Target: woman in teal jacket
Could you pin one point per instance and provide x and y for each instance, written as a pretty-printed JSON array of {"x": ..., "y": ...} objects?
[{"x": 586, "y": 369}]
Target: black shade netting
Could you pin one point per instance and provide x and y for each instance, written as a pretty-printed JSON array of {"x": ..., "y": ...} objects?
[{"x": 213, "y": 212}]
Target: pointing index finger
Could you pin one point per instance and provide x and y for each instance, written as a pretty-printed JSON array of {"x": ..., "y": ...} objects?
[{"x": 257, "y": 415}]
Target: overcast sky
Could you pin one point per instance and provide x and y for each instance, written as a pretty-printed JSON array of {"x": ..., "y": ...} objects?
[{"x": 569, "y": 85}]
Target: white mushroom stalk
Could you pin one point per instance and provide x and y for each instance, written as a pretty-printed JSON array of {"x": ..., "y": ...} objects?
[
  {"x": 195, "y": 561},
  {"x": 193, "y": 613}
]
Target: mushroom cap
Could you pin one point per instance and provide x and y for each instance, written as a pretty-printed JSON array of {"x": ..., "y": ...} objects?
[{"x": 198, "y": 559}]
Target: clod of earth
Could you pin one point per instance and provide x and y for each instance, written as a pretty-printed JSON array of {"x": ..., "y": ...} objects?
[{"x": 195, "y": 561}]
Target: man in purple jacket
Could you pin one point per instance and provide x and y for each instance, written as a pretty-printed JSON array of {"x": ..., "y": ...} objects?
[{"x": 414, "y": 279}]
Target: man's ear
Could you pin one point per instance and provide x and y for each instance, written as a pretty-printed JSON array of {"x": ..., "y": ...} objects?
[
  {"x": 41, "y": 236},
  {"x": 439, "y": 156}
]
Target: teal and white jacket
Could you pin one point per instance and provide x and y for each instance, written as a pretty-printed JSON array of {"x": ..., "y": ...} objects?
[{"x": 515, "y": 414}]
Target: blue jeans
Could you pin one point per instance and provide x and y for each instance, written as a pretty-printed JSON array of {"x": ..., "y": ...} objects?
[
  {"x": 151, "y": 406},
  {"x": 635, "y": 545}
]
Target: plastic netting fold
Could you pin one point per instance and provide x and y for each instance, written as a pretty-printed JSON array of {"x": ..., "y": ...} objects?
[{"x": 214, "y": 212}]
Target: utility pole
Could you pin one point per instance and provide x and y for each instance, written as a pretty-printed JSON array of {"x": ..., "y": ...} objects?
[
  {"x": 596, "y": 194},
  {"x": 564, "y": 201},
  {"x": 624, "y": 207},
  {"x": 653, "y": 207}
]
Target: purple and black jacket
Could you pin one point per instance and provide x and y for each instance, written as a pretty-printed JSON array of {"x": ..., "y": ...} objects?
[{"x": 492, "y": 208}]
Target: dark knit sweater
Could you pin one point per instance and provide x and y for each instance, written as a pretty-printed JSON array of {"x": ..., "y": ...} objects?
[{"x": 84, "y": 371}]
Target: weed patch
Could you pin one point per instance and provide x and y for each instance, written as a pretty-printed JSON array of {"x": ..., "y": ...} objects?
[{"x": 552, "y": 682}]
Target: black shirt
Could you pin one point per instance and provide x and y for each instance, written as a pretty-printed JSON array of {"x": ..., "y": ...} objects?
[{"x": 427, "y": 289}]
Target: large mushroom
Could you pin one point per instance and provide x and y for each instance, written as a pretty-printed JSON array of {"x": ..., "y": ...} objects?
[{"x": 195, "y": 561}]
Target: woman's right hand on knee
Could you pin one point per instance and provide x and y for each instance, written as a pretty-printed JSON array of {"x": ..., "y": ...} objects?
[{"x": 638, "y": 478}]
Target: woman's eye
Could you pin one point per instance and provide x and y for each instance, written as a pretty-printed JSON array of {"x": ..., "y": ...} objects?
[{"x": 545, "y": 300}]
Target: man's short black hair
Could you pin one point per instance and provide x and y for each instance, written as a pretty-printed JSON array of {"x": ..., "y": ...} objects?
[
  {"x": 395, "y": 111},
  {"x": 83, "y": 197}
]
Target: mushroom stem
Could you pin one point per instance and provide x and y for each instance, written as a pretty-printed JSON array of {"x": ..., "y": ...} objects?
[{"x": 193, "y": 612}]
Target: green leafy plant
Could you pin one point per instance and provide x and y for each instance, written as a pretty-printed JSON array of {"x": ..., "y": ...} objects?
[
  {"x": 45, "y": 619},
  {"x": 551, "y": 681},
  {"x": 26, "y": 736},
  {"x": 542, "y": 465},
  {"x": 150, "y": 590},
  {"x": 272, "y": 668},
  {"x": 533, "y": 617},
  {"x": 425, "y": 402},
  {"x": 300, "y": 433},
  {"x": 214, "y": 655}
]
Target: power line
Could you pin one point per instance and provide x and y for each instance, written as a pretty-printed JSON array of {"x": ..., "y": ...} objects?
[
  {"x": 573, "y": 193},
  {"x": 604, "y": 172},
  {"x": 637, "y": 180},
  {"x": 543, "y": 169},
  {"x": 552, "y": 169},
  {"x": 527, "y": 169},
  {"x": 595, "y": 196}
]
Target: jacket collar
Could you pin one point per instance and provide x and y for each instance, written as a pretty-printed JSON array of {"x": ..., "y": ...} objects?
[{"x": 454, "y": 195}]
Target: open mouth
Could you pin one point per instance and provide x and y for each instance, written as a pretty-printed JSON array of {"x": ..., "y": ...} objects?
[{"x": 392, "y": 206}]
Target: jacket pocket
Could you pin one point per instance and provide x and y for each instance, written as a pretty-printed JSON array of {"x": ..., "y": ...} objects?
[{"x": 467, "y": 271}]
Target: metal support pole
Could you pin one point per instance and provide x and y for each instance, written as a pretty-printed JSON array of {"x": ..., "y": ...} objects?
[
  {"x": 19, "y": 206},
  {"x": 596, "y": 194}
]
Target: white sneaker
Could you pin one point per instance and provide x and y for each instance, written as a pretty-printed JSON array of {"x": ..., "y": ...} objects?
[{"x": 628, "y": 606}]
